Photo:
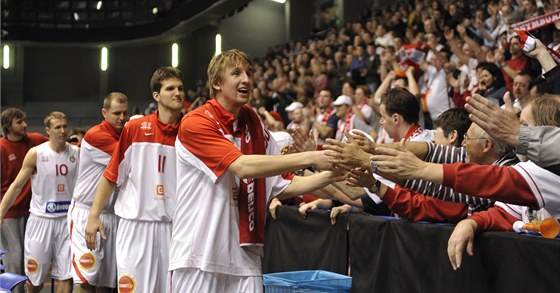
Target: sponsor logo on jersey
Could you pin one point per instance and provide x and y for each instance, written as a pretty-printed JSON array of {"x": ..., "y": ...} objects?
[
  {"x": 12, "y": 157},
  {"x": 32, "y": 266},
  {"x": 87, "y": 261},
  {"x": 148, "y": 133},
  {"x": 44, "y": 159},
  {"x": 72, "y": 159},
  {"x": 146, "y": 125},
  {"x": 56, "y": 207},
  {"x": 60, "y": 188},
  {"x": 127, "y": 284},
  {"x": 159, "y": 191}
]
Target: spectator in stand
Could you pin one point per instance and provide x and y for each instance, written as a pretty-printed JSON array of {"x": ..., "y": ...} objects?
[
  {"x": 298, "y": 121},
  {"x": 320, "y": 79},
  {"x": 324, "y": 113},
  {"x": 451, "y": 126},
  {"x": 347, "y": 120},
  {"x": 399, "y": 116},
  {"x": 361, "y": 107},
  {"x": 518, "y": 62},
  {"x": 436, "y": 98},
  {"x": 491, "y": 82},
  {"x": 521, "y": 93},
  {"x": 384, "y": 38},
  {"x": 372, "y": 77}
]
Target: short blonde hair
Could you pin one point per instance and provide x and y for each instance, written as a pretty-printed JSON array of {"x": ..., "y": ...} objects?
[
  {"x": 220, "y": 63},
  {"x": 114, "y": 96},
  {"x": 54, "y": 115}
]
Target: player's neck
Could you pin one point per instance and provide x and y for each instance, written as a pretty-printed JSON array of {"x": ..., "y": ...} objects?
[
  {"x": 57, "y": 146},
  {"x": 167, "y": 116},
  {"x": 13, "y": 137},
  {"x": 229, "y": 105}
]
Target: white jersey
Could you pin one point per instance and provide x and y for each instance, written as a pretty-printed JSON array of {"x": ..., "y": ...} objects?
[
  {"x": 53, "y": 183},
  {"x": 143, "y": 166},
  {"x": 96, "y": 150},
  {"x": 206, "y": 226}
]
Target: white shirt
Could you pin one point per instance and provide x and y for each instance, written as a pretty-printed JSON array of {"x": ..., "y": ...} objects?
[{"x": 53, "y": 183}]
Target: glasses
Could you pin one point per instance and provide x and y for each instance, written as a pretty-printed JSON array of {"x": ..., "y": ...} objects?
[{"x": 467, "y": 138}]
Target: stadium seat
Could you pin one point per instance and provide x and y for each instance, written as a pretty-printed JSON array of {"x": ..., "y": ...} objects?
[{"x": 8, "y": 281}]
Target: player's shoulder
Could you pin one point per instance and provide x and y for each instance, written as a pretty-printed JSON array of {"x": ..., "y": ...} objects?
[
  {"x": 140, "y": 123},
  {"x": 98, "y": 133},
  {"x": 36, "y": 138}
]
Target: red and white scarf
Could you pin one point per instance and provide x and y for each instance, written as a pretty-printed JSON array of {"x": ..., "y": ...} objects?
[
  {"x": 345, "y": 124},
  {"x": 325, "y": 115},
  {"x": 414, "y": 130},
  {"x": 252, "y": 191}
]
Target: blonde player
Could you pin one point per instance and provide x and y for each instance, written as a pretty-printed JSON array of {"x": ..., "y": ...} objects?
[{"x": 52, "y": 167}]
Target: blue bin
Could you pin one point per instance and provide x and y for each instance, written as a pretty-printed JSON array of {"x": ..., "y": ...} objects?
[{"x": 306, "y": 281}]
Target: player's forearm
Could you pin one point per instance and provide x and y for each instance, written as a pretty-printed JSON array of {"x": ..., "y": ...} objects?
[
  {"x": 104, "y": 190},
  {"x": 258, "y": 166},
  {"x": 301, "y": 185}
]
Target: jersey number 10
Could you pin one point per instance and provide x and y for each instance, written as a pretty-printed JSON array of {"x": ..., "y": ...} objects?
[{"x": 61, "y": 170}]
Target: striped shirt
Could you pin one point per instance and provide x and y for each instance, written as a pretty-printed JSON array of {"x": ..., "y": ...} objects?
[{"x": 448, "y": 155}]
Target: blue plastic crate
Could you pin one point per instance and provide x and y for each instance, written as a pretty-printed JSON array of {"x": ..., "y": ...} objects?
[{"x": 306, "y": 281}]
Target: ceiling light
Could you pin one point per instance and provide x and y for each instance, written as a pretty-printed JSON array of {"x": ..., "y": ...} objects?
[
  {"x": 6, "y": 63},
  {"x": 218, "y": 45},
  {"x": 104, "y": 59},
  {"x": 174, "y": 55}
]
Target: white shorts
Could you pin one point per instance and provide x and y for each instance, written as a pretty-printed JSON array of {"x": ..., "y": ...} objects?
[
  {"x": 196, "y": 280},
  {"x": 143, "y": 255},
  {"x": 47, "y": 244},
  {"x": 97, "y": 267}
]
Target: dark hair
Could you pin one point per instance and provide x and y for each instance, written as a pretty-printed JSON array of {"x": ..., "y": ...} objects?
[
  {"x": 401, "y": 101},
  {"x": 164, "y": 73},
  {"x": 495, "y": 71},
  {"x": 8, "y": 116},
  {"x": 454, "y": 119}
]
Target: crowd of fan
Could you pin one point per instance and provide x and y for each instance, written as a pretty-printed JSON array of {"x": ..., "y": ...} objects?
[{"x": 456, "y": 42}]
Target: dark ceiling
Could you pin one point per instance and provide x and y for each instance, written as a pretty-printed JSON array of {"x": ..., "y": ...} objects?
[{"x": 105, "y": 20}]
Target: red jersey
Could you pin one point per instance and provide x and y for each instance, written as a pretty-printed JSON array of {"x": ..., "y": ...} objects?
[{"x": 13, "y": 154}]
